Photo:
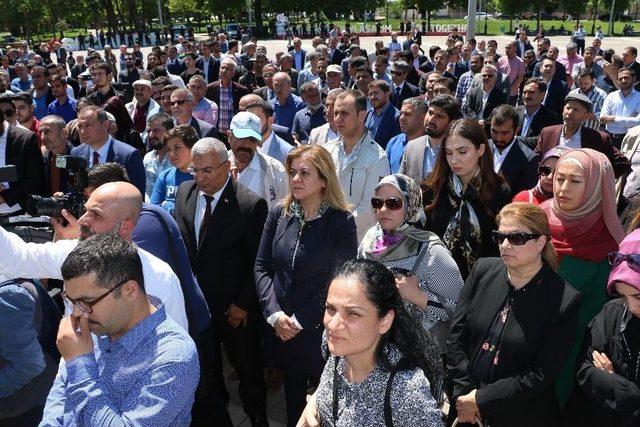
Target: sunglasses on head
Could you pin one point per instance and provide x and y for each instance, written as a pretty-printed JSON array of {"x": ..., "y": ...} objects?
[
  {"x": 632, "y": 260},
  {"x": 517, "y": 239},
  {"x": 392, "y": 203},
  {"x": 545, "y": 170}
]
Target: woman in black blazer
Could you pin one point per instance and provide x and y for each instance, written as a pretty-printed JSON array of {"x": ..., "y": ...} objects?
[
  {"x": 304, "y": 240},
  {"x": 513, "y": 328},
  {"x": 463, "y": 194}
]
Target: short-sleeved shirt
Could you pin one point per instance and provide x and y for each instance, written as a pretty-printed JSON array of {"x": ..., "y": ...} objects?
[{"x": 68, "y": 110}]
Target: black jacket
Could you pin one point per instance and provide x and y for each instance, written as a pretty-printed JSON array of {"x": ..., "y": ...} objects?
[
  {"x": 324, "y": 243},
  {"x": 22, "y": 151},
  {"x": 223, "y": 261},
  {"x": 609, "y": 399},
  {"x": 520, "y": 167},
  {"x": 473, "y": 108},
  {"x": 535, "y": 343},
  {"x": 543, "y": 118}
]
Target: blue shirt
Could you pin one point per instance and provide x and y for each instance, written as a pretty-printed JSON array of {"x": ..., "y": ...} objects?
[
  {"x": 19, "y": 345},
  {"x": 157, "y": 233},
  {"x": 395, "y": 150},
  {"x": 41, "y": 106},
  {"x": 166, "y": 187},
  {"x": 68, "y": 110},
  {"x": 147, "y": 377},
  {"x": 374, "y": 119},
  {"x": 304, "y": 121},
  {"x": 285, "y": 112},
  {"x": 23, "y": 85}
]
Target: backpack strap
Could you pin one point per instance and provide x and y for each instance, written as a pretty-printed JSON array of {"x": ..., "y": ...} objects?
[
  {"x": 388, "y": 419},
  {"x": 335, "y": 389}
]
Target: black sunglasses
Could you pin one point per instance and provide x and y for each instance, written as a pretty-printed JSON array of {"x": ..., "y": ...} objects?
[
  {"x": 397, "y": 73},
  {"x": 517, "y": 239},
  {"x": 179, "y": 102},
  {"x": 632, "y": 260},
  {"x": 392, "y": 203},
  {"x": 545, "y": 170}
]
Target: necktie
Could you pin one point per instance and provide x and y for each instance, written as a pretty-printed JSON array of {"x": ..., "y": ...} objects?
[
  {"x": 397, "y": 93},
  {"x": 96, "y": 158},
  {"x": 140, "y": 118},
  {"x": 205, "y": 218}
]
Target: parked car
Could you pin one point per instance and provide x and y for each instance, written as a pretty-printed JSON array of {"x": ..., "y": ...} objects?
[
  {"x": 480, "y": 15},
  {"x": 233, "y": 30}
]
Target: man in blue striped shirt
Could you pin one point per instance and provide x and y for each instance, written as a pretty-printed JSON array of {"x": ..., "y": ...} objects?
[
  {"x": 125, "y": 361},
  {"x": 586, "y": 81}
]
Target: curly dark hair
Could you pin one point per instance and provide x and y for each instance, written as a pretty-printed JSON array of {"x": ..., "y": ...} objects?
[{"x": 407, "y": 334}]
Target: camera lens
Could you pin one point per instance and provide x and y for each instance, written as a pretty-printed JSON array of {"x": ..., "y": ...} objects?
[{"x": 44, "y": 206}]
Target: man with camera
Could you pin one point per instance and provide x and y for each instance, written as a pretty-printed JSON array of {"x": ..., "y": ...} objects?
[
  {"x": 19, "y": 147},
  {"x": 112, "y": 208}
]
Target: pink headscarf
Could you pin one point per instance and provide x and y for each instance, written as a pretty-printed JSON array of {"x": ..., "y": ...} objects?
[
  {"x": 593, "y": 230},
  {"x": 622, "y": 272}
]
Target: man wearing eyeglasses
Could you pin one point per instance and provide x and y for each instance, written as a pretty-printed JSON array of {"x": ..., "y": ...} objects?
[
  {"x": 482, "y": 99},
  {"x": 182, "y": 102},
  {"x": 124, "y": 358},
  {"x": 401, "y": 89},
  {"x": 101, "y": 77},
  {"x": 221, "y": 222}
]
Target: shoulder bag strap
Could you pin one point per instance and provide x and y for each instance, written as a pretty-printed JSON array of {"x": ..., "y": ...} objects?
[
  {"x": 335, "y": 389},
  {"x": 388, "y": 419}
]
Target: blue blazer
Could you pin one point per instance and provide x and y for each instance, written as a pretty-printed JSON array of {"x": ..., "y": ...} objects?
[
  {"x": 123, "y": 154},
  {"x": 279, "y": 148},
  {"x": 389, "y": 125}
]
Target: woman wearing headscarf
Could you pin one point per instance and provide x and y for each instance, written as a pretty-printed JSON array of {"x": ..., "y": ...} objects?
[
  {"x": 609, "y": 369},
  {"x": 426, "y": 275},
  {"x": 584, "y": 229},
  {"x": 544, "y": 188},
  {"x": 463, "y": 194}
]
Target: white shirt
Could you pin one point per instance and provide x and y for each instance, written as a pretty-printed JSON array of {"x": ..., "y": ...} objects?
[
  {"x": 485, "y": 97},
  {"x": 201, "y": 206},
  {"x": 575, "y": 142},
  {"x": 102, "y": 152},
  {"x": 626, "y": 111},
  {"x": 5, "y": 208},
  {"x": 44, "y": 260},
  {"x": 264, "y": 148},
  {"x": 250, "y": 176},
  {"x": 498, "y": 158},
  {"x": 205, "y": 63}
]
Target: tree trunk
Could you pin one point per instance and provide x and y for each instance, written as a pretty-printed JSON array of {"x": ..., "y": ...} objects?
[
  {"x": 538, "y": 19},
  {"x": 428, "y": 21},
  {"x": 257, "y": 12}
]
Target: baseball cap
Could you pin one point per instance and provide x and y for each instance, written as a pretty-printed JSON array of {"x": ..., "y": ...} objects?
[
  {"x": 334, "y": 68},
  {"x": 246, "y": 125}
]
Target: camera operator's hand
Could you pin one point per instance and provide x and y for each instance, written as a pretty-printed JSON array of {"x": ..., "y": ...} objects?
[{"x": 70, "y": 231}]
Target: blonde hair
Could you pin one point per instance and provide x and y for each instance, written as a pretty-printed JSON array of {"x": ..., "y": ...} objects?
[
  {"x": 535, "y": 219},
  {"x": 321, "y": 159}
]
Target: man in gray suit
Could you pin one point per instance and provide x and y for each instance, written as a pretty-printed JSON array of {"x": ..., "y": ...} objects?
[
  {"x": 420, "y": 155},
  {"x": 327, "y": 131},
  {"x": 271, "y": 145}
]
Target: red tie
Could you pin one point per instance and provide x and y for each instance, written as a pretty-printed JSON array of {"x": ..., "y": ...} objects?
[
  {"x": 205, "y": 218},
  {"x": 96, "y": 158}
]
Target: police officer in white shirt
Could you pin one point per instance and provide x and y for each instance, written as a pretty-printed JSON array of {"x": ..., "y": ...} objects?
[
  {"x": 258, "y": 172},
  {"x": 111, "y": 208}
]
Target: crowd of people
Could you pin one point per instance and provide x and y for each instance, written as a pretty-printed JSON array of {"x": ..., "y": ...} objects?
[{"x": 411, "y": 236}]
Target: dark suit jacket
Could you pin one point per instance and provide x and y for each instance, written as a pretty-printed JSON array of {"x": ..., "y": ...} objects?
[
  {"x": 176, "y": 67},
  {"x": 63, "y": 173},
  {"x": 238, "y": 91},
  {"x": 520, "y": 167},
  {"x": 543, "y": 118},
  {"x": 408, "y": 91},
  {"x": 262, "y": 92},
  {"x": 527, "y": 46},
  {"x": 123, "y": 154},
  {"x": 338, "y": 56},
  {"x": 473, "y": 108},
  {"x": 389, "y": 125},
  {"x": 556, "y": 92},
  {"x": 223, "y": 261},
  {"x": 214, "y": 68},
  {"x": 536, "y": 341},
  {"x": 126, "y": 76},
  {"x": 203, "y": 129},
  {"x": 590, "y": 138},
  {"x": 22, "y": 150},
  {"x": 560, "y": 74}
]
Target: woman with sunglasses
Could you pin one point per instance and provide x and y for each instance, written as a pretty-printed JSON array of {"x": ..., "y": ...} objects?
[
  {"x": 544, "y": 188},
  {"x": 513, "y": 328},
  {"x": 427, "y": 277},
  {"x": 609, "y": 374},
  {"x": 305, "y": 239},
  {"x": 584, "y": 229},
  {"x": 463, "y": 194}
]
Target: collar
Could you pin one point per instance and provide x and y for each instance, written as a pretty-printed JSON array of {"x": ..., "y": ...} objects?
[
  {"x": 102, "y": 151},
  {"x": 398, "y": 86},
  {"x": 137, "y": 334},
  {"x": 534, "y": 113},
  {"x": 287, "y": 102},
  {"x": 577, "y": 132},
  {"x": 384, "y": 110},
  {"x": 424, "y": 138}
]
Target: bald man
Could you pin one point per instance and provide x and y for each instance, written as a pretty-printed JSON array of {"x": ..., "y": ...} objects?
[{"x": 111, "y": 208}]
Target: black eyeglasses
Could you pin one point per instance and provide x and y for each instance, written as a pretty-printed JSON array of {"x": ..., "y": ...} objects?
[
  {"x": 179, "y": 102},
  {"x": 392, "y": 203},
  {"x": 87, "y": 306},
  {"x": 545, "y": 170},
  {"x": 632, "y": 260},
  {"x": 517, "y": 239}
]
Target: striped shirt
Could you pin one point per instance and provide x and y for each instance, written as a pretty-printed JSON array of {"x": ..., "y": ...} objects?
[
  {"x": 464, "y": 84},
  {"x": 225, "y": 110},
  {"x": 597, "y": 96}
]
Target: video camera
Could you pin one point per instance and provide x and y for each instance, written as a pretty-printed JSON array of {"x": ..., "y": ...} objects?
[
  {"x": 73, "y": 201},
  {"x": 8, "y": 173}
]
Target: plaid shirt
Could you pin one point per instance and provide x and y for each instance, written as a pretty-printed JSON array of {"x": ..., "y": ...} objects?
[
  {"x": 464, "y": 84},
  {"x": 597, "y": 96},
  {"x": 225, "y": 110}
]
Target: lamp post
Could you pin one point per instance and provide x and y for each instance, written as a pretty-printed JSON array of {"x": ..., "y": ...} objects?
[
  {"x": 471, "y": 19},
  {"x": 160, "y": 13},
  {"x": 613, "y": 5}
]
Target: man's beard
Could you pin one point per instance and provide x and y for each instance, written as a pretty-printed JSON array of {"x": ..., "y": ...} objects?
[
  {"x": 314, "y": 108},
  {"x": 86, "y": 232},
  {"x": 155, "y": 144}
]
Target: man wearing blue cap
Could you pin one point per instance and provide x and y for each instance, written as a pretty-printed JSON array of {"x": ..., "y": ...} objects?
[{"x": 258, "y": 172}]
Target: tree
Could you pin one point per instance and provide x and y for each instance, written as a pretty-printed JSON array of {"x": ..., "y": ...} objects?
[{"x": 428, "y": 7}]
